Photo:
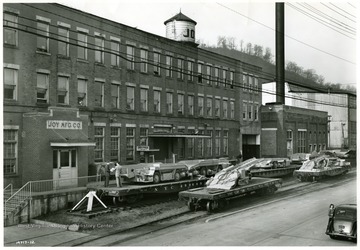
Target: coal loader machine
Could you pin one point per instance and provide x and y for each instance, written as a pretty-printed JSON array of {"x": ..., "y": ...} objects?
[{"x": 230, "y": 183}]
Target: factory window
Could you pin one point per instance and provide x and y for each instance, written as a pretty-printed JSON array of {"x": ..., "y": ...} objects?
[
  {"x": 143, "y": 100},
  {"x": 115, "y": 53},
  {"x": 232, "y": 109},
  {"x": 200, "y": 74},
  {"x": 244, "y": 113},
  {"x": 144, "y": 136},
  {"x": 200, "y": 106},
  {"x": 63, "y": 90},
  {"x": 216, "y": 77},
  {"x": 209, "y": 107},
  {"x": 43, "y": 36},
  {"x": 63, "y": 43},
  {"x": 169, "y": 66},
  {"x": 180, "y": 69},
  {"x": 200, "y": 143},
  {"x": 190, "y": 71},
  {"x": 191, "y": 144},
  {"x": 224, "y": 79},
  {"x": 99, "y": 49},
  {"x": 82, "y": 45},
  {"x": 256, "y": 112},
  {"x": 115, "y": 95},
  {"x": 10, "y": 29},
  {"x": 289, "y": 142},
  {"x": 217, "y": 142},
  {"x": 250, "y": 111},
  {"x": 99, "y": 94},
  {"x": 226, "y": 142},
  {"x": 301, "y": 141},
  {"x": 231, "y": 79},
  {"x": 245, "y": 81},
  {"x": 157, "y": 63},
  {"x": 130, "y": 56},
  {"x": 180, "y": 104},
  {"x": 130, "y": 144},
  {"x": 225, "y": 109},
  {"x": 191, "y": 105},
  {"x": 10, "y": 83},
  {"x": 217, "y": 108},
  {"x": 10, "y": 151},
  {"x": 157, "y": 101},
  {"x": 250, "y": 83},
  {"x": 209, "y": 143},
  {"x": 208, "y": 74},
  {"x": 114, "y": 143},
  {"x": 144, "y": 60},
  {"x": 169, "y": 103},
  {"x": 99, "y": 144},
  {"x": 82, "y": 92},
  {"x": 130, "y": 95},
  {"x": 256, "y": 85}
]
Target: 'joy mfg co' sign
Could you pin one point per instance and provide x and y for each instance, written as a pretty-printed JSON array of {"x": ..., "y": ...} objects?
[{"x": 57, "y": 124}]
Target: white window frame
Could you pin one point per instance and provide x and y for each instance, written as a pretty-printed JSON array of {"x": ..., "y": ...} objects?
[
  {"x": 144, "y": 97},
  {"x": 14, "y": 84},
  {"x": 65, "y": 90},
  {"x": 84, "y": 94}
]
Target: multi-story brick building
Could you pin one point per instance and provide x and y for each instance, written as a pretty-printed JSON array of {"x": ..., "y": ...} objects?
[
  {"x": 287, "y": 130},
  {"x": 80, "y": 89}
]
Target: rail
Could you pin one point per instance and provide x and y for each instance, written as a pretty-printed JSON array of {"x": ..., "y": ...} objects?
[
  {"x": 10, "y": 186},
  {"x": 32, "y": 188},
  {"x": 17, "y": 198}
]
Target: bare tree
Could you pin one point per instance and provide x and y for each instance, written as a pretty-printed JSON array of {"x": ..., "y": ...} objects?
[
  {"x": 231, "y": 42},
  {"x": 249, "y": 48},
  {"x": 222, "y": 42},
  {"x": 268, "y": 56},
  {"x": 258, "y": 50}
]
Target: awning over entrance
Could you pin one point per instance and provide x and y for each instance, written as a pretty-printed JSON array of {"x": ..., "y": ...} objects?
[
  {"x": 70, "y": 138},
  {"x": 73, "y": 144},
  {"x": 173, "y": 135}
]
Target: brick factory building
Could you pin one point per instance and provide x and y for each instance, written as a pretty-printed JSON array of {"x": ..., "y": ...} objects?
[
  {"x": 287, "y": 130},
  {"x": 80, "y": 89}
]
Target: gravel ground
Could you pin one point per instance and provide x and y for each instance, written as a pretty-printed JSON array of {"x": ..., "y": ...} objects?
[{"x": 118, "y": 219}]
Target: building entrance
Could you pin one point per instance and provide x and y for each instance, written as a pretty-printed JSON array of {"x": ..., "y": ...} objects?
[{"x": 65, "y": 167}]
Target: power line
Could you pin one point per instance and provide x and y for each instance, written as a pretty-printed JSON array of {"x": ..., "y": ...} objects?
[
  {"x": 319, "y": 20},
  {"x": 352, "y": 5},
  {"x": 338, "y": 13},
  {"x": 332, "y": 19},
  {"x": 342, "y": 10},
  {"x": 235, "y": 84},
  {"x": 313, "y": 47}
]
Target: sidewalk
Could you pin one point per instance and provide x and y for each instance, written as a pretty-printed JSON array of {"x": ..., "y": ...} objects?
[{"x": 38, "y": 235}]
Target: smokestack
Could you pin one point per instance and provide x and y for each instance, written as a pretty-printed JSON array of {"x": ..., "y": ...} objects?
[{"x": 280, "y": 54}]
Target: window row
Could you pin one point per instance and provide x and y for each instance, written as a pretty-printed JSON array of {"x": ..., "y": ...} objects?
[
  {"x": 135, "y": 58},
  {"x": 159, "y": 102},
  {"x": 216, "y": 145}
]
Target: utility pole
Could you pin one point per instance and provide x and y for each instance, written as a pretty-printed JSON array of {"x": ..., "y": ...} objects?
[{"x": 280, "y": 54}]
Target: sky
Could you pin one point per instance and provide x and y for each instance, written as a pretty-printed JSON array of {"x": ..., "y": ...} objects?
[{"x": 308, "y": 43}]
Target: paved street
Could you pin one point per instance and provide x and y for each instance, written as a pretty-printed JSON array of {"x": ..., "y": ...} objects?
[{"x": 296, "y": 221}]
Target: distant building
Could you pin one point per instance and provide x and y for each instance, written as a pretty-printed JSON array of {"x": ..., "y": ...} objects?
[
  {"x": 340, "y": 106},
  {"x": 80, "y": 89},
  {"x": 287, "y": 130}
]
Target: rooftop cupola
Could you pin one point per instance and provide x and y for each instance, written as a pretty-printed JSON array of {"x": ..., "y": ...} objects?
[{"x": 180, "y": 28}]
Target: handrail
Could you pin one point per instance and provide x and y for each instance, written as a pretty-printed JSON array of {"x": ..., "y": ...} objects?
[
  {"x": 9, "y": 186},
  {"x": 20, "y": 190},
  {"x": 31, "y": 187}
]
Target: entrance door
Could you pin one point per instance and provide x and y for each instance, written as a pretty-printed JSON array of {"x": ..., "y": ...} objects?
[{"x": 65, "y": 168}]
